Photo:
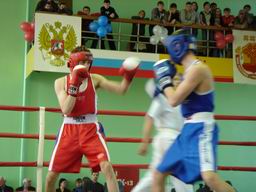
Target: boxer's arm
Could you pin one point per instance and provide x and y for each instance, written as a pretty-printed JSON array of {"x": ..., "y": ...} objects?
[
  {"x": 192, "y": 80},
  {"x": 66, "y": 102},
  {"x": 112, "y": 86},
  {"x": 147, "y": 132}
]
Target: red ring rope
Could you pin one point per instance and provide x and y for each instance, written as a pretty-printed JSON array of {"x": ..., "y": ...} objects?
[
  {"x": 113, "y": 139},
  {"x": 122, "y": 113},
  {"x": 138, "y": 166}
]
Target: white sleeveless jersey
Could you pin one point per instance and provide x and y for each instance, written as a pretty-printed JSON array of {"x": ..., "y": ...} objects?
[{"x": 164, "y": 115}]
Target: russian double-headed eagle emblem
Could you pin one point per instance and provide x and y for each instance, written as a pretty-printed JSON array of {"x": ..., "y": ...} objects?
[{"x": 56, "y": 42}]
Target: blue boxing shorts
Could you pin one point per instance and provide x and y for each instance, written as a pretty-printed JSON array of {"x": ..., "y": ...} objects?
[{"x": 194, "y": 150}]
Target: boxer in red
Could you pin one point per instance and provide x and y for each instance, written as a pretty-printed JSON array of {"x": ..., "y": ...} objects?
[{"x": 81, "y": 133}]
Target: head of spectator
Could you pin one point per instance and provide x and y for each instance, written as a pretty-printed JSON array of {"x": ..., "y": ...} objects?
[
  {"x": 194, "y": 6},
  {"x": 242, "y": 15},
  {"x": 79, "y": 182},
  {"x": 48, "y": 7},
  {"x": 86, "y": 10},
  {"x": 173, "y": 8},
  {"x": 218, "y": 13},
  {"x": 95, "y": 176},
  {"x": 188, "y": 7},
  {"x": 142, "y": 14},
  {"x": 63, "y": 183},
  {"x": 106, "y": 4},
  {"x": 213, "y": 7},
  {"x": 247, "y": 8},
  {"x": 207, "y": 8},
  {"x": 160, "y": 6},
  {"x": 226, "y": 12},
  {"x": 63, "y": 9},
  {"x": 27, "y": 183}
]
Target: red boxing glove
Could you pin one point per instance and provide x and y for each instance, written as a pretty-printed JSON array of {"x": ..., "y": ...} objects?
[
  {"x": 78, "y": 74},
  {"x": 129, "y": 68}
]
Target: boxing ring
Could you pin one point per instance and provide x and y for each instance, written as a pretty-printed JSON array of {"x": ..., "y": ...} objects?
[{"x": 41, "y": 137}]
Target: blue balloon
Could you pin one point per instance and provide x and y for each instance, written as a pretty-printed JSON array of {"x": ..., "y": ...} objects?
[
  {"x": 109, "y": 28},
  {"x": 94, "y": 26},
  {"x": 101, "y": 31},
  {"x": 103, "y": 21}
]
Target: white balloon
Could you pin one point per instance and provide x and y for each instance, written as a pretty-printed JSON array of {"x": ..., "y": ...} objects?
[
  {"x": 154, "y": 40},
  {"x": 157, "y": 30},
  {"x": 163, "y": 37},
  {"x": 164, "y": 31}
]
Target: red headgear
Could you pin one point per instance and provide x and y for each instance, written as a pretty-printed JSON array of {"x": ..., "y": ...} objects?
[{"x": 75, "y": 58}]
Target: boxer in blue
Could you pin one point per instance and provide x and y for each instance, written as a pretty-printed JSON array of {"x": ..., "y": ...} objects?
[{"x": 192, "y": 157}]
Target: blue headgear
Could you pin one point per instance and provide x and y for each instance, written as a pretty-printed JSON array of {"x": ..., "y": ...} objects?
[{"x": 178, "y": 45}]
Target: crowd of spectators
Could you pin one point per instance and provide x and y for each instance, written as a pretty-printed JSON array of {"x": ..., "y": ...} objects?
[
  {"x": 207, "y": 14},
  {"x": 26, "y": 186},
  {"x": 85, "y": 184}
]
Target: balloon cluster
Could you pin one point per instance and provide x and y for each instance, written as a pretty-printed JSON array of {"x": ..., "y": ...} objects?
[
  {"x": 29, "y": 31},
  {"x": 101, "y": 27},
  {"x": 222, "y": 40},
  {"x": 160, "y": 33}
]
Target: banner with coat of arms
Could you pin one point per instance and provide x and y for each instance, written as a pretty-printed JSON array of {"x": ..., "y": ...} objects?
[
  {"x": 244, "y": 56},
  {"x": 55, "y": 37}
]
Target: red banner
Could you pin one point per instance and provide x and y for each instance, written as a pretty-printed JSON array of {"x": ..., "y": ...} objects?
[{"x": 129, "y": 177}]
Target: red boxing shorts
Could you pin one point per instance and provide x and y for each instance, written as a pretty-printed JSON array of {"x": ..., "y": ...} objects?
[{"x": 79, "y": 136}]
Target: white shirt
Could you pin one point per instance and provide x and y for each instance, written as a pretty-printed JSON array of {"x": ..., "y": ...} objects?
[{"x": 164, "y": 115}]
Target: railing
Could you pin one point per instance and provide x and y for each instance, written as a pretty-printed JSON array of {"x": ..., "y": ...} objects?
[{"x": 124, "y": 39}]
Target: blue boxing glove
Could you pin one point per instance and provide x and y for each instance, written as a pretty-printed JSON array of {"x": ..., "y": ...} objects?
[{"x": 164, "y": 72}]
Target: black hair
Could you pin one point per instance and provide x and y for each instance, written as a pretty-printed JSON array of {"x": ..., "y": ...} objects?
[
  {"x": 87, "y": 7},
  {"x": 61, "y": 180},
  {"x": 206, "y": 3},
  {"x": 227, "y": 9},
  {"x": 160, "y": 3},
  {"x": 173, "y": 5},
  {"x": 247, "y": 6}
]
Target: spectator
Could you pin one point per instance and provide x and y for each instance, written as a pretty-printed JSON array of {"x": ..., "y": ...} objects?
[
  {"x": 27, "y": 186},
  {"x": 62, "y": 186},
  {"x": 85, "y": 28},
  {"x": 47, "y": 5},
  {"x": 139, "y": 32},
  {"x": 110, "y": 12},
  {"x": 195, "y": 9},
  {"x": 3, "y": 186},
  {"x": 87, "y": 185},
  {"x": 241, "y": 20},
  {"x": 79, "y": 185},
  {"x": 63, "y": 9},
  {"x": 97, "y": 187},
  {"x": 213, "y": 7},
  {"x": 194, "y": 6},
  {"x": 216, "y": 19},
  {"x": 206, "y": 20},
  {"x": 249, "y": 16},
  {"x": 158, "y": 14},
  {"x": 187, "y": 15},
  {"x": 173, "y": 17},
  {"x": 227, "y": 18}
]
